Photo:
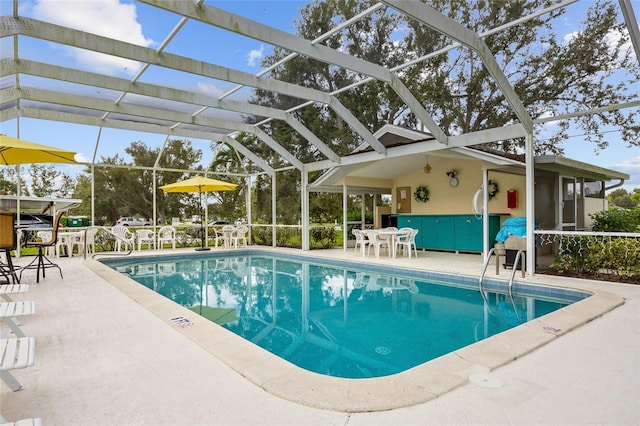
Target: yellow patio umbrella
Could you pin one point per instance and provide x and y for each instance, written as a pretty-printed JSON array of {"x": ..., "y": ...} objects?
[
  {"x": 199, "y": 184},
  {"x": 18, "y": 151}
]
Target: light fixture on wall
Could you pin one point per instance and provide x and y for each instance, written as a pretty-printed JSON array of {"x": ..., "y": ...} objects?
[
  {"x": 453, "y": 178},
  {"x": 427, "y": 167}
]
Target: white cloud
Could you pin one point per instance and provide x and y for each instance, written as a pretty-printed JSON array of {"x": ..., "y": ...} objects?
[
  {"x": 630, "y": 166},
  {"x": 108, "y": 18},
  {"x": 209, "y": 90},
  {"x": 81, "y": 158},
  {"x": 254, "y": 56}
]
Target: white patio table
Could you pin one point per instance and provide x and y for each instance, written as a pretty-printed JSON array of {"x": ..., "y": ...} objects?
[
  {"x": 70, "y": 238},
  {"x": 227, "y": 233},
  {"x": 393, "y": 235}
]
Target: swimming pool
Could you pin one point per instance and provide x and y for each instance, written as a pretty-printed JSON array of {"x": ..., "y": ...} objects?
[{"x": 338, "y": 318}]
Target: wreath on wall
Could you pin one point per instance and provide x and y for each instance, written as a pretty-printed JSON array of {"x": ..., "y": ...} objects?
[
  {"x": 421, "y": 194},
  {"x": 492, "y": 188}
]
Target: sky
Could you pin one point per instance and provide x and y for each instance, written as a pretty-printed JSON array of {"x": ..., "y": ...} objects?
[{"x": 142, "y": 24}]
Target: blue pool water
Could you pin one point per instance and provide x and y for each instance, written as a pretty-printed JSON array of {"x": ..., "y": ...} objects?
[{"x": 340, "y": 319}]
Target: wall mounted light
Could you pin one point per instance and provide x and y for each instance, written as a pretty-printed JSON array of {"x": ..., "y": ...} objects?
[{"x": 453, "y": 178}]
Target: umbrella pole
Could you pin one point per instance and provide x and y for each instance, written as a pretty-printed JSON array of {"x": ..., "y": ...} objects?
[{"x": 202, "y": 247}]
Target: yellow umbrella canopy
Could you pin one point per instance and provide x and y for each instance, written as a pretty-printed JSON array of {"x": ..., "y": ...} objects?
[
  {"x": 18, "y": 151},
  {"x": 199, "y": 184}
]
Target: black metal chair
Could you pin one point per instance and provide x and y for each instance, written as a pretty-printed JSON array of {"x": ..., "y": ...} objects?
[{"x": 41, "y": 261}]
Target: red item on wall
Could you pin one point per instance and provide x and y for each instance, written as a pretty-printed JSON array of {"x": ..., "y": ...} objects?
[{"x": 512, "y": 199}]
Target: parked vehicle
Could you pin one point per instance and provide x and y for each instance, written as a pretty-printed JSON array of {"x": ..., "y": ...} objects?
[
  {"x": 132, "y": 221},
  {"x": 196, "y": 229},
  {"x": 30, "y": 220}
]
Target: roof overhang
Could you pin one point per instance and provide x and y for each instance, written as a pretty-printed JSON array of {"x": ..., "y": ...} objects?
[
  {"x": 37, "y": 204},
  {"x": 409, "y": 149},
  {"x": 569, "y": 167}
]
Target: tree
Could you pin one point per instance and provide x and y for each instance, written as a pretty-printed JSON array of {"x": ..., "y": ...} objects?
[
  {"x": 7, "y": 187},
  {"x": 455, "y": 87},
  {"x": 123, "y": 188},
  {"x": 46, "y": 181},
  {"x": 227, "y": 204},
  {"x": 8, "y": 181},
  {"x": 621, "y": 198}
]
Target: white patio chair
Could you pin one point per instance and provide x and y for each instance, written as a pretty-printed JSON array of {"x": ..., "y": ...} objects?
[
  {"x": 75, "y": 239},
  {"x": 219, "y": 238},
  {"x": 166, "y": 234},
  {"x": 146, "y": 236},
  {"x": 90, "y": 240},
  {"x": 239, "y": 237},
  {"x": 124, "y": 237},
  {"x": 408, "y": 242},
  {"x": 361, "y": 240},
  {"x": 377, "y": 241}
]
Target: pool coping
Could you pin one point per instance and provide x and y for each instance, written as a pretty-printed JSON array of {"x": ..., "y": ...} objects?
[{"x": 414, "y": 386}]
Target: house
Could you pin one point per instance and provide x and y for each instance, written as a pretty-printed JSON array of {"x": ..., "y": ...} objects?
[{"x": 567, "y": 192}]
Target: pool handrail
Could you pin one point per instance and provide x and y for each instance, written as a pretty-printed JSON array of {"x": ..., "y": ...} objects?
[{"x": 108, "y": 253}]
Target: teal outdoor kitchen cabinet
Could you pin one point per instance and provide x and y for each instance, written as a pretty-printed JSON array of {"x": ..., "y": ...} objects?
[{"x": 450, "y": 232}]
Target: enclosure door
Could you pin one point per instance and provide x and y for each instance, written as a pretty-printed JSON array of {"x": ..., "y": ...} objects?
[
  {"x": 545, "y": 201},
  {"x": 568, "y": 206}
]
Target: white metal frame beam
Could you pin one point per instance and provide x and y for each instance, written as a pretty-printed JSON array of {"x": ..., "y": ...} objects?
[
  {"x": 9, "y": 66},
  {"x": 10, "y": 26},
  {"x": 258, "y": 31},
  {"x": 450, "y": 28}
]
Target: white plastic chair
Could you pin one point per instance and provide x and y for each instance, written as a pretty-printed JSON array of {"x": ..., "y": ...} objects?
[
  {"x": 90, "y": 240},
  {"x": 239, "y": 237},
  {"x": 75, "y": 239},
  {"x": 124, "y": 237},
  {"x": 166, "y": 234},
  {"x": 377, "y": 241},
  {"x": 408, "y": 242},
  {"x": 219, "y": 238},
  {"x": 146, "y": 236},
  {"x": 361, "y": 240}
]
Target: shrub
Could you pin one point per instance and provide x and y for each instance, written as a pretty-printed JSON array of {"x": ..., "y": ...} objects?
[
  {"x": 595, "y": 256},
  {"x": 320, "y": 237},
  {"x": 617, "y": 220}
]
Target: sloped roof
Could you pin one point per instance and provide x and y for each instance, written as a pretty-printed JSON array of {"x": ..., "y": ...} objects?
[{"x": 394, "y": 166}]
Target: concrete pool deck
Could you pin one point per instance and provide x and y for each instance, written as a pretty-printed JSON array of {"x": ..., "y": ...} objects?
[{"x": 108, "y": 353}]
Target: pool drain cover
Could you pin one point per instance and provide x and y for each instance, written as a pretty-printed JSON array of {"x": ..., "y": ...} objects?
[
  {"x": 383, "y": 350},
  {"x": 486, "y": 380}
]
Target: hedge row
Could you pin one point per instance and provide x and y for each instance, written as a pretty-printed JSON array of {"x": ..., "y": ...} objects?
[
  {"x": 321, "y": 237},
  {"x": 596, "y": 256}
]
